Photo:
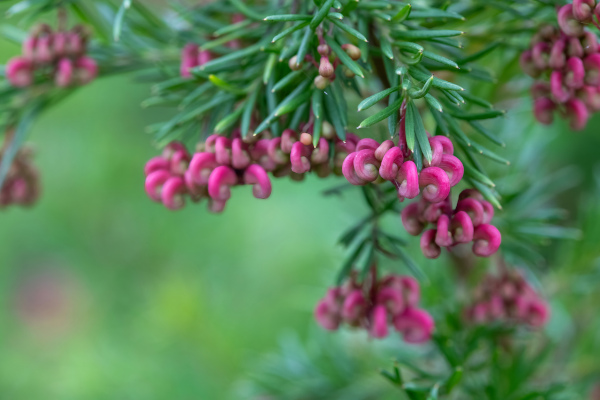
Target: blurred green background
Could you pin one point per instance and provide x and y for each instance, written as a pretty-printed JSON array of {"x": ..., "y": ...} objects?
[{"x": 105, "y": 295}]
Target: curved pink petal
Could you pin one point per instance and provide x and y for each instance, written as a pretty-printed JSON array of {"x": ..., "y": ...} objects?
[
  {"x": 408, "y": 180},
  {"x": 428, "y": 246},
  {"x": 461, "y": 227},
  {"x": 220, "y": 181},
  {"x": 257, "y": 176},
  {"x": 434, "y": 183},
  {"x": 486, "y": 240}
]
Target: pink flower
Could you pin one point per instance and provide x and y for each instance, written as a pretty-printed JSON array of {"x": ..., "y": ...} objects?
[
  {"x": 543, "y": 109},
  {"x": 428, "y": 246},
  {"x": 568, "y": 23},
  {"x": 257, "y": 176},
  {"x": 378, "y": 321},
  {"x": 582, "y": 9},
  {"x": 592, "y": 69},
  {"x": 411, "y": 219},
  {"x": 461, "y": 227},
  {"x": 575, "y": 73},
  {"x": 577, "y": 113},
  {"x": 172, "y": 193},
  {"x": 354, "y": 307},
  {"x": 366, "y": 165},
  {"x": 443, "y": 238},
  {"x": 435, "y": 184},
  {"x": 486, "y": 240},
  {"x": 415, "y": 325},
  {"x": 155, "y": 182},
  {"x": 189, "y": 59},
  {"x": 453, "y": 167},
  {"x": 473, "y": 208},
  {"x": 220, "y": 181},
  {"x": 390, "y": 163},
  {"x": 19, "y": 72},
  {"x": 86, "y": 70},
  {"x": 299, "y": 157},
  {"x": 408, "y": 180},
  {"x": 349, "y": 171},
  {"x": 383, "y": 149},
  {"x": 557, "y": 85}
]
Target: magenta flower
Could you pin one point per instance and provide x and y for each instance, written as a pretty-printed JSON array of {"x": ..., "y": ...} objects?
[
  {"x": 592, "y": 69},
  {"x": 428, "y": 246},
  {"x": 558, "y": 56},
  {"x": 19, "y": 72},
  {"x": 367, "y": 144},
  {"x": 299, "y": 157},
  {"x": 583, "y": 9},
  {"x": 366, "y": 165},
  {"x": 411, "y": 219},
  {"x": 275, "y": 153},
  {"x": 453, "y": 167},
  {"x": 447, "y": 146},
  {"x": 486, "y": 240},
  {"x": 568, "y": 23},
  {"x": 391, "y": 299},
  {"x": 543, "y": 110},
  {"x": 575, "y": 73},
  {"x": 220, "y": 181},
  {"x": 575, "y": 48},
  {"x": 383, "y": 149},
  {"x": 240, "y": 158},
  {"x": 349, "y": 171},
  {"x": 461, "y": 227},
  {"x": 189, "y": 59},
  {"x": 288, "y": 138},
  {"x": 155, "y": 164},
  {"x": 378, "y": 320},
  {"x": 354, "y": 307},
  {"x": 540, "y": 55},
  {"x": 391, "y": 163},
  {"x": 154, "y": 183},
  {"x": 591, "y": 97},
  {"x": 408, "y": 180},
  {"x": 435, "y": 184},
  {"x": 443, "y": 238},
  {"x": 86, "y": 70},
  {"x": 589, "y": 42},
  {"x": 321, "y": 153},
  {"x": 44, "y": 53},
  {"x": 577, "y": 113},
  {"x": 416, "y": 325},
  {"x": 201, "y": 166},
  {"x": 437, "y": 151},
  {"x": 473, "y": 208},
  {"x": 559, "y": 91},
  {"x": 172, "y": 193},
  {"x": 257, "y": 176}
]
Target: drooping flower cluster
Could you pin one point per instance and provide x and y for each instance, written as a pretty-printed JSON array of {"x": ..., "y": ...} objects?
[
  {"x": 192, "y": 56},
  {"x": 60, "y": 56},
  {"x": 22, "y": 183},
  {"x": 567, "y": 62},
  {"x": 225, "y": 162},
  {"x": 373, "y": 161},
  {"x": 375, "y": 305},
  {"x": 325, "y": 66},
  {"x": 507, "y": 298},
  {"x": 468, "y": 222}
]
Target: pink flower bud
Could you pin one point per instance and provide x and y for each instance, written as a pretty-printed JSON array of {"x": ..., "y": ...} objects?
[
  {"x": 274, "y": 151},
  {"x": 367, "y": 144},
  {"x": 592, "y": 69},
  {"x": 540, "y": 89},
  {"x": 383, "y": 148},
  {"x": 575, "y": 48},
  {"x": 366, "y": 165},
  {"x": 411, "y": 219},
  {"x": 543, "y": 109},
  {"x": 180, "y": 162},
  {"x": 559, "y": 91},
  {"x": 378, "y": 321},
  {"x": 470, "y": 193},
  {"x": 29, "y": 48},
  {"x": 540, "y": 54},
  {"x": 288, "y": 138},
  {"x": 582, "y": 9},
  {"x": 575, "y": 73},
  {"x": 428, "y": 246},
  {"x": 59, "y": 44},
  {"x": 408, "y": 180},
  {"x": 223, "y": 150},
  {"x": 443, "y": 238},
  {"x": 391, "y": 299},
  {"x": 411, "y": 290},
  {"x": 189, "y": 59},
  {"x": 496, "y": 307},
  {"x": 86, "y": 70},
  {"x": 154, "y": 183},
  {"x": 591, "y": 97},
  {"x": 473, "y": 208},
  {"x": 578, "y": 114},
  {"x": 416, "y": 325},
  {"x": 435, "y": 184},
  {"x": 349, "y": 171},
  {"x": 538, "y": 313},
  {"x": 589, "y": 43},
  {"x": 156, "y": 164},
  {"x": 75, "y": 45},
  {"x": 486, "y": 240},
  {"x": 321, "y": 154},
  {"x": 354, "y": 307},
  {"x": 220, "y": 181},
  {"x": 204, "y": 56},
  {"x": 567, "y": 22},
  {"x": 172, "y": 193},
  {"x": 431, "y": 212},
  {"x": 299, "y": 157},
  {"x": 527, "y": 64},
  {"x": 488, "y": 211},
  {"x": 325, "y": 68},
  {"x": 453, "y": 167},
  {"x": 19, "y": 72},
  {"x": 43, "y": 52},
  {"x": 352, "y": 51},
  {"x": 64, "y": 73},
  {"x": 479, "y": 313},
  {"x": 209, "y": 143},
  {"x": 558, "y": 57},
  {"x": 257, "y": 176},
  {"x": 327, "y": 311},
  {"x": 260, "y": 153},
  {"x": 461, "y": 227},
  {"x": 201, "y": 166},
  {"x": 391, "y": 163},
  {"x": 216, "y": 206},
  {"x": 437, "y": 151},
  {"x": 239, "y": 154}
]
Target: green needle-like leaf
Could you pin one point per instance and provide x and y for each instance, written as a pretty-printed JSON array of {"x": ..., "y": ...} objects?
[
  {"x": 383, "y": 114},
  {"x": 344, "y": 58},
  {"x": 348, "y": 29},
  {"x": 374, "y": 99},
  {"x": 321, "y": 14}
]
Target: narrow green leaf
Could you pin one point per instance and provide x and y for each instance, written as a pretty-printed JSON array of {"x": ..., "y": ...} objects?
[
  {"x": 477, "y": 100},
  {"x": 232, "y": 28},
  {"x": 215, "y": 80},
  {"x": 335, "y": 15},
  {"x": 420, "y": 133},
  {"x": 292, "y": 105},
  {"x": 350, "y": 260},
  {"x": 244, "y": 9},
  {"x": 286, "y": 80},
  {"x": 317, "y": 103},
  {"x": 294, "y": 94},
  {"x": 367, "y": 261},
  {"x": 409, "y": 127},
  {"x": 348, "y": 29},
  {"x": 417, "y": 94},
  {"x": 321, "y": 14},
  {"x": 303, "y": 49},
  {"x": 437, "y": 82},
  {"x": 440, "y": 59},
  {"x": 118, "y": 24},
  {"x": 344, "y": 58},
  {"x": 475, "y": 174},
  {"x": 432, "y": 101},
  {"x": 334, "y": 116},
  {"x": 288, "y": 17},
  {"x": 487, "y": 153},
  {"x": 374, "y": 99},
  {"x": 218, "y": 63},
  {"x": 229, "y": 120},
  {"x": 403, "y": 14},
  {"x": 247, "y": 115},
  {"x": 381, "y": 115},
  {"x": 425, "y": 34},
  {"x": 195, "y": 94},
  {"x": 410, "y": 46},
  {"x": 289, "y": 30},
  {"x": 269, "y": 67},
  {"x": 485, "y": 132},
  {"x": 437, "y": 116},
  {"x": 484, "y": 115},
  {"x": 436, "y": 14},
  {"x": 480, "y": 54},
  {"x": 486, "y": 192},
  {"x": 386, "y": 47}
]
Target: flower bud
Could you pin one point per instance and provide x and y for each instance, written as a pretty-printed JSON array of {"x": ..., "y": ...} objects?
[
  {"x": 220, "y": 181},
  {"x": 486, "y": 240},
  {"x": 172, "y": 193},
  {"x": 488, "y": 211},
  {"x": 321, "y": 82},
  {"x": 294, "y": 64},
  {"x": 592, "y": 69},
  {"x": 257, "y": 176},
  {"x": 189, "y": 59},
  {"x": 473, "y": 208},
  {"x": 86, "y": 70},
  {"x": 306, "y": 138},
  {"x": 582, "y": 9},
  {"x": 44, "y": 53},
  {"x": 19, "y": 72},
  {"x": 443, "y": 238},
  {"x": 543, "y": 109},
  {"x": 349, "y": 171},
  {"x": 590, "y": 95},
  {"x": 575, "y": 73},
  {"x": 323, "y": 50},
  {"x": 391, "y": 299},
  {"x": 461, "y": 227},
  {"x": 558, "y": 58},
  {"x": 589, "y": 42},
  {"x": 201, "y": 166},
  {"x": 378, "y": 321},
  {"x": 391, "y": 163},
  {"x": 299, "y": 157},
  {"x": 416, "y": 325},
  {"x": 64, "y": 73},
  {"x": 154, "y": 183},
  {"x": 383, "y": 148},
  {"x": 435, "y": 184},
  {"x": 411, "y": 219},
  {"x": 325, "y": 68},
  {"x": 436, "y": 153},
  {"x": 453, "y": 167},
  {"x": 327, "y": 131},
  {"x": 567, "y": 22},
  {"x": 366, "y": 165},
  {"x": 321, "y": 154},
  {"x": 559, "y": 91},
  {"x": 354, "y": 307},
  {"x": 352, "y": 51},
  {"x": 408, "y": 180},
  {"x": 574, "y": 48},
  {"x": 223, "y": 150},
  {"x": 540, "y": 54},
  {"x": 428, "y": 246},
  {"x": 578, "y": 114},
  {"x": 204, "y": 56}
]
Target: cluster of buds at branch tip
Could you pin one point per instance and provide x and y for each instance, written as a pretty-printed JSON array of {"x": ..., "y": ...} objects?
[
  {"x": 325, "y": 66},
  {"x": 374, "y": 305},
  {"x": 22, "y": 183},
  {"x": 507, "y": 298},
  {"x": 468, "y": 222},
  {"x": 60, "y": 55},
  {"x": 224, "y": 162},
  {"x": 567, "y": 62}
]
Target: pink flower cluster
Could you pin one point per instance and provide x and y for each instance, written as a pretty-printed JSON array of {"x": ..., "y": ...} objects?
[
  {"x": 468, "y": 222},
  {"x": 227, "y": 162},
  {"x": 22, "y": 183},
  {"x": 192, "y": 56},
  {"x": 377, "y": 162},
  {"x": 374, "y": 305},
  {"x": 60, "y": 55},
  {"x": 567, "y": 60},
  {"x": 507, "y": 297}
]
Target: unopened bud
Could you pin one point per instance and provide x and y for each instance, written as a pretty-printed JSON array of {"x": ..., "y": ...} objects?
[
  {"x": 352, "y": 51},
  {"x": 327, "y": 131},
  {"x": 321, "y": 82},
  {"x": 325, "y": 68},
  {"x": 348, "y": 73},
  {"x": 323, "y": 50},
  {"x": 293, "y": 63},
  {"x": 306, "y": 139}
]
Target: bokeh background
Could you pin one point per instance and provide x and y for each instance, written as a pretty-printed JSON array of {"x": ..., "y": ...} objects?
[{"x": 104, "y": 294}]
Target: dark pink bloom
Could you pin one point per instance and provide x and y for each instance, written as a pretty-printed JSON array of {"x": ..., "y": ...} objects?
[
  {"x": 428, "y": 246},
  {"x": 223, "y": 150},
  {"x": 299, "y": 157},
  {"x": 288, "y": 138},
  {"x": 408, "y": 180},
  {"x": 437, "y": 150},
  {"x": 154, "y": 183},
  {"x": 378, "y": 321},
  {"x": 577, "y": 113},
  {"x": 366, "y": 165},
  {"x": 44, "y": 53},
  {"x": 575, "y": 73},
  {"x": 543, "y": 110},
  {"x": 568, "y": 23},
  {"x": 19, "y": 72},
  {"x": 391, "y": 163},
  {"x": 155, "y": 164},
  {"x": 558, "y": 57},
  {"x": 435, "y": 184},
  {"x": 591, "y": 97},
  {"x": 416, "y": 325},
  {"x": 443, "y": 238},
  {"x": 488, "y": 211},
  {"x": 383, "y": 149},
  {"x": 220, "y": 181},
  {"x": 172, "y": 193},
  {"x": 582, "y": 9},
  {"x": 537, "y": 314},
  {"x": 327, "y": 315},
  {"x": 349, "y": 171},
  {"x": 557, "y": 85},
  {"x": 592, "y": 69},
  {"x": 367, "y": 144},
  {"x": 447, "y": 146},
  {"x": 204, "y": 56},
  {"x": 86, "y": 70},
  {"x": 473, "y": 208},
  {"x": 240, "y": 158},
  {"x": 391, "y": 299},
  {"x": 486, "y": 240},
  {"x": 189, "y": 59},
  {"x": 321, "y": 153},
  {"x": 275, "y": 152},
  {"x": 589, "y": 43},
  {"x": 354, "y": 307},
  {"x": 461, "y": 227},
  {"x": 453, "y": 167},
  {"x": 540, "y": 55},
  {"x": 257, "y": 176},
  {"x": 201, "y": 166},
  {"x": 412, "y": 291},
  {"x": 411, "y": 219},
  {"x": 64, "y": 73},
  {"x": 575, "y": 48}
]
